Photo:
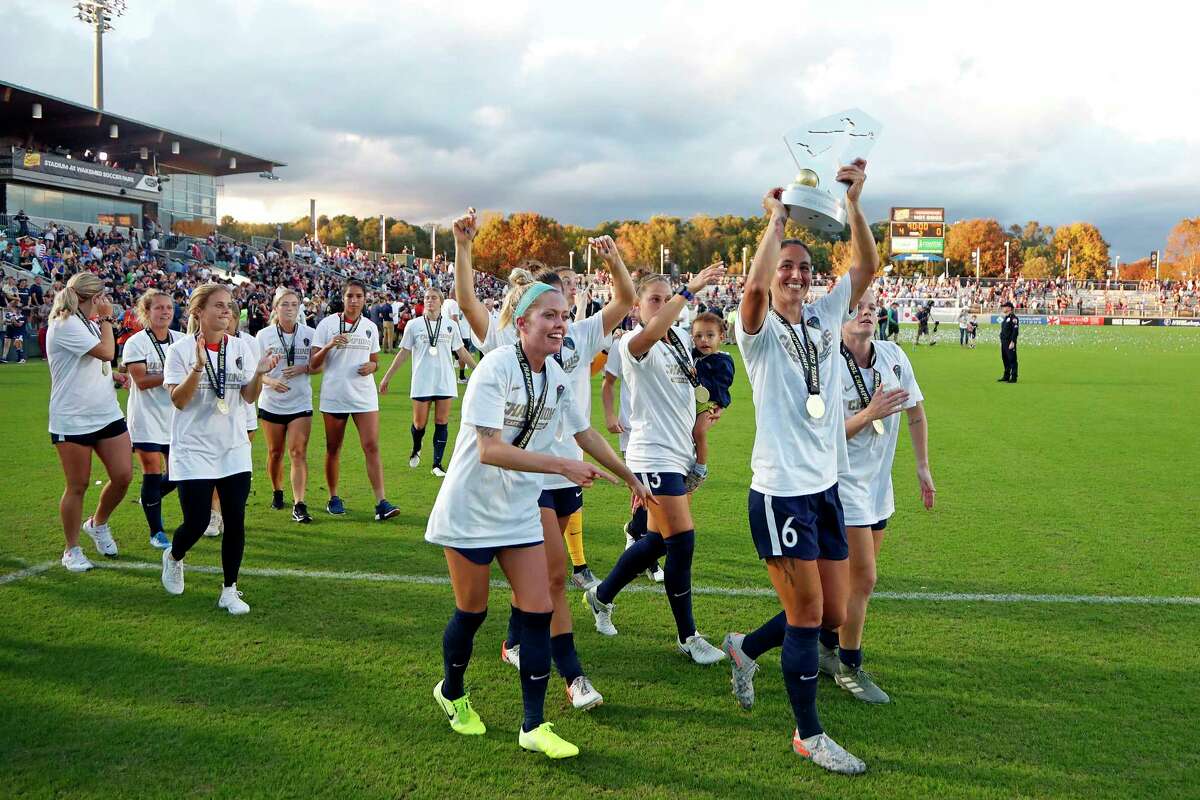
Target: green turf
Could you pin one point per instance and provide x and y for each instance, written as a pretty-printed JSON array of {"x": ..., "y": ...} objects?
[{"x": 1079, "y": 480}]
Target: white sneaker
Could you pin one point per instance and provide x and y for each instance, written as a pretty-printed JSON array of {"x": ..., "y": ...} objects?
[
  {"x": 414, "y": 460},
  {"x": 658, "y": 576},
  {"x": 699, "y": 650},
  {"x": 75, "y": 561},
  {"x": 583, "y": 695},
  {"x": 826, "y": 753},
  {"x": 510, "y": 655},
  {"x": 102, "y": 536},
  {"x": 438, "y": 472},
  {"x": 601, "y": 611},
  {"x": 172, "y": 573},
  {"x": 231, "y": 600},
  {"x": 216, "y": 525}
]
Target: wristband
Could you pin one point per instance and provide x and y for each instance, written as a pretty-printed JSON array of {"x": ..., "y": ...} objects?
[{"x": 686, "y": 294}]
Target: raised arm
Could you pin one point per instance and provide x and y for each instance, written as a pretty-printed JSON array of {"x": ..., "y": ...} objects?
[
  {"x": 465, "y": 228},
  {"x": 918, "y": 431},
  {"x": 864, "y": 254},
  {"x": 622, "y": 289},
  {"x": 611, "y": 421},
  {"x": 661, "y": 322},
  {"x": 756, "y": 292}
]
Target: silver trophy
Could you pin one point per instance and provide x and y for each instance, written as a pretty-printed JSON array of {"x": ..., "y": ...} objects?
[{"x": 819, "y": 149}]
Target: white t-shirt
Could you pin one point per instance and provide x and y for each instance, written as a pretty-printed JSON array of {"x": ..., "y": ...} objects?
[
  {"x": 795, "y": 454},
  {"x": 613, "y": 367},
  {"x": 451, "y": 312},
  {"x": 432, "y": 373},
  {"x": 298, "y": 398},
  {"x": 150, "y": 410},
  {"x": 486, "y": 506},
  {"x": 865, "y": 485},
  {"x": 583, "y": 341},
  {"x": 204, "y": 442},
  {"x": 82, "y": 398},
  {"x": 662, "y": 410},
  {"x": 250, "y": 411},
  {"x": 497, "y": 336},
  {"x": 343, "y": 390}
]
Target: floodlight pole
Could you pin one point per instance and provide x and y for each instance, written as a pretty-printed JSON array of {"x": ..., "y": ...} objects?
[
  {"x": 382, "y": 235},
  {"x": 99, "y": 14},
  {"x": 98, "y": 67}
]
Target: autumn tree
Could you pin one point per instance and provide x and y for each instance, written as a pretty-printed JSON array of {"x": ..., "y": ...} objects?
[
  {"x": 985, "y": 234},
  {"x": 1089, "y": 251},
  {"x": 504, "y": 242},
  {"x": 1182, "y": 257}
]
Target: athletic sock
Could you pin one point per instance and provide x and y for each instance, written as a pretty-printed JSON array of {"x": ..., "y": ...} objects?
[
  {"x": 513, "y": 637},
  {"x": 457, "y": 641},
  {"x": 767, "y": 637},
  {"x": 829, "y": 638},
  {"x": 566, "y": 660},
  {"x": 573, "y": 536},
  {"x": 165, "y": 486},
  {"x": 152, "y": 501},
  {"x": 798, "y": 663},
  {"x": 440, "y": 433},
  {"x": 637, "y": 523},
  {"x": 677, "y": 580},
  {"x": 633, "y": 562},
  {"x": 535, "y": 666},
  {"x": 462, "y": 373},
  {"x": 417, "y": 435},
  {"x": 851, "y": 658}
]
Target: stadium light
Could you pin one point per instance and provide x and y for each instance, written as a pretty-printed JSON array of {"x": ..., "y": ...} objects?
[
  {"x": 232, "y": 162},
  {"x": 99, "y": 14},
  {"x": 174, "y": 148},
  {"x": 37, "y": 110},
  {"x": 102, "y": 156},
  {"x": 113, "y": 131},
  {"x": 143, "y": 153}
]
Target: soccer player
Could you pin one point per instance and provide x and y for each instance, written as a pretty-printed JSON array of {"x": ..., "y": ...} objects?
[
  {"x": 84, "y": 414},
  {"x": 517, "y": 402},
  {"x": 150, "y": 409},
  {"x": 285, "y": 405},
  {"x": 209, "y": 374},
  {"x": 877, "y": 383},
  {"x": 1010, "y": 329},
  {"x": 346, "y": 348},
  {"x": 791, "y": 351},
  {"x": 431, "y": 340},
  {"x": 656, "y": 359},
  {"x": 14, "y": 331}
]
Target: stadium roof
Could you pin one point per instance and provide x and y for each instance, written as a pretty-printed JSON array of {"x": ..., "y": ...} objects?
[{"x": 79, "y": 127}]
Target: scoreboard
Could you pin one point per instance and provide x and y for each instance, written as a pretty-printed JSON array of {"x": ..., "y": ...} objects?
[{"x": 918, "y": 231}]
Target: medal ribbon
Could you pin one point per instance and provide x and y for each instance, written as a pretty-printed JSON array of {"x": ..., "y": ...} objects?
[
  {"x": 532, "y": 410},
  {"x": 289, "y": 350},
  {"x": 682, "y": 357},
  {"x": 342, "y": 324},
  {"x": 162, "y": 356},
  {"x": 860, "y": 385},
  {"x": 216, "y": 379},
  {"x": 432, "y": 332},
  {"x": 806, "y": 351}
]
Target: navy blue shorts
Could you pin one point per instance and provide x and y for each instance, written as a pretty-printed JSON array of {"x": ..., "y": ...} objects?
[
  {"x": 563, "y": 502},
  {"x": 878, "y": 526},
  {"x": 806, "y": 527},
  {"x": 663, "y": 484},
  {"x": 429, "y": 398},
  {"x": 152, "y": 447},
  {"x": 486, "y": 555},
  {"x": 282, "y": 419},
  {"x": 112, "y": 429}
]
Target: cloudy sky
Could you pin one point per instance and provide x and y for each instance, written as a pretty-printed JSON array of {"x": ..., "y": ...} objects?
[{"x": 1041, "y": 110}]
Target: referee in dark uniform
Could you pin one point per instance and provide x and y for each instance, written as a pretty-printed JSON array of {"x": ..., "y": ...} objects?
[{"x": 1010, "y": 327}]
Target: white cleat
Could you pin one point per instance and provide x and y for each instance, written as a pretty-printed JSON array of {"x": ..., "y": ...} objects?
[
  {"x": 510, "y": 655},
  {"x": 744, "y": 668},
  {"x": 414, "y": 460},
  {"x": 231, "y": 600},
  {"x": 438, "y": 472},
  {"x": 216, "y": 525},
  {"x": 102, "y": 536},
  {"x": 583, "y": 695},
  {"x": 172, "y": 573},
  {"x": 601, "y": 611},
  {"x": 699, "y": 650},
  {"x": 828, "y": 754},
  {"x": 75, "y": 561}
]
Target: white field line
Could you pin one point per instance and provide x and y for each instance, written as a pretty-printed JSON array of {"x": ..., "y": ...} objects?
[{"x": 642, "y": 588}]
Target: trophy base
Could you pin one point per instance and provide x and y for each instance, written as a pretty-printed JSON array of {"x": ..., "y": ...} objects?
[{"x": 814, "y": 208}]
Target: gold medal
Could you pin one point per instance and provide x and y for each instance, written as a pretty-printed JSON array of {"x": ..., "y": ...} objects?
[
  {"x": 702, "y": 394},
  {"x": 815, "y": 406},
  {"x": 877, "y": 424},
  {"x": 222, "y": 406}
]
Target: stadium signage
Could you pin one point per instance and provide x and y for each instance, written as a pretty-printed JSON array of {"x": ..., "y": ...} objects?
[
  {"x": 929, "y": 230},
  {"x": 1137, "y": 321},
  {"x": 1076, "y": 320},
  {"x": 918, "y": 230},
  {"x": 83, "y": 171},
  {"x": 1184, "y": 323},
  {"x": 918, "y": 214},
  {"x": 1026, "y": 319}
]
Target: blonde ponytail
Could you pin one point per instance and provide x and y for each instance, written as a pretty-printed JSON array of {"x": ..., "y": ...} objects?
[
  {"x": 518, "y": 281},
  {"x": 81, "y": 287}
]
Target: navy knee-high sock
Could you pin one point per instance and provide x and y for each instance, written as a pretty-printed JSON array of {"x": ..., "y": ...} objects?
[
  {"x": 767, "y": 637},
  {"x": 535, "y": 666},
  {"x": 441, "y": 432},
  {"x": 829, "y": 638},
  {"x": 456, "y": 650},
  {"x": 513, "y": 637},
  {"x": 152, "y": 501},
  {"x": 637, "y": 523},
  {"x": 165, "y": 486},
  {"x": 677, "y": 580},
  {"x": 418, "y": 434},
  {"x": 633, "y": 562},
  {"x": 566, "y": 660},
  {"x": 798, "y": 663}
]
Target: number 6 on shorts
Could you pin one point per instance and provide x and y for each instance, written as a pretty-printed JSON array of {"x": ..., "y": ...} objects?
[{"x": 807, "y": 527}]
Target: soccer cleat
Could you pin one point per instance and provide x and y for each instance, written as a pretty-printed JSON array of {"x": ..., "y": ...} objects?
[
  {"x": 543, "y": 739},
  {"x": 743, "y": 667},
  {"x": 414, "y": 460},
  {"x": 159, "y": 541},
  {"x": 629, "y": 540},
  {"x": 699, "y": 650},
  {"x": 828, "y": 754},
  {"x": 385, "y": 510},
  {"x": 335, "y": 506},
  {"x": 860, "y": 684},
  {"x": 827, "y": 660},
  {"x": 231, "y": 600},
  {"x": 585, "y": 579},
  {"x": 215, "y": 524},
  {"x": 277, "y": 500},
  {"x": 438, "y": 471},
  {"x": 583, "y": 695},
  {"x": 300, "y": 514},
  {"x": 462, "y": 717},
  {"x": 601, "y": 611},
  {"x": 510, "y": 655},
  {"x": 656, "y": 573},
  {"x": 75, "y": 561},
  {"x": 102, "y": 536},
  {"x": 172, "y": 574}
]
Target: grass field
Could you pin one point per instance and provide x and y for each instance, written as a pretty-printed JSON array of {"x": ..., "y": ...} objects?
[{"x": 1080, "y": 480}]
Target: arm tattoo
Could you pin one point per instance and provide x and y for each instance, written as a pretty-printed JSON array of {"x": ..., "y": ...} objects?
[{"x": 486, "y": 433}]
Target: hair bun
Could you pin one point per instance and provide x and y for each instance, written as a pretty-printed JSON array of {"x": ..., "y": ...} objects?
[{"x": 520, "y": 277}]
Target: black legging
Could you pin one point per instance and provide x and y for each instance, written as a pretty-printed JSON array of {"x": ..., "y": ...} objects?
[{"x": 195, "y": 498}]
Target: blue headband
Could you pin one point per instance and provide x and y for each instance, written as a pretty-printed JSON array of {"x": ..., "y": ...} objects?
[{"x": 534, "y": 291}]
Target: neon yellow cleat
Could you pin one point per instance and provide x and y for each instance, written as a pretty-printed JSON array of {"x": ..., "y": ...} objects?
[
  {"x": 543, "y": 739},
  {"x": 463, "y": 718}
]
